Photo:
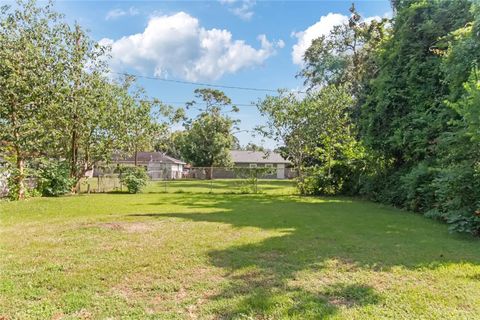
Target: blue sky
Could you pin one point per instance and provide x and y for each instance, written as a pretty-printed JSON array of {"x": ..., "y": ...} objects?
[{"x": 230, "y": 42}]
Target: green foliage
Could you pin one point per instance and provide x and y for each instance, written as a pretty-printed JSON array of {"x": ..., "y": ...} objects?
[
  {"x": 53, "y": 178},
  {"x": 346, "y": 55},
  {"x": 318, "y": 137},
  {"x": 30, "y": 41},
  {"x": 134, "y": 178},
  {"x": 208, "y": 137},
  {"x": 50, "y": 67},
  {"x": 13, "y": 186},
  {"x": 422, "y": 118},
  {"x": 416, "y": 98}
]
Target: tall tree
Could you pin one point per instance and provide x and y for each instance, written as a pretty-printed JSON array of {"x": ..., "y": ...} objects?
[
  {"x": 31, "y": 71},
  {"x": 346, "y": 55},
  {"x": 208, "y": 137},
  {"x": 91, "y": 109},
  {"x": 137, "y": 124}
]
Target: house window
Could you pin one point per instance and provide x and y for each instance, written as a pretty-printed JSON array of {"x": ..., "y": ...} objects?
[
  {"x": 253, "y": 165},
  {"x": 268, "y": 165}
]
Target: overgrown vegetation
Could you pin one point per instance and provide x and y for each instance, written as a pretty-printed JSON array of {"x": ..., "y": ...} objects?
[
  {"x": 53, "y": 179},
  {"x": 410, "y": 135}
]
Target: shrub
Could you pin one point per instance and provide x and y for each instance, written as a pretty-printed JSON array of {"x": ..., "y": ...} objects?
[
  {"x": 11, "y": 175},
  {"x": 457, "y": 192},
  {"x": 317, "y": 182},
  {"x": 418, "y": 188},
  {"x": 134, "y": 178},
  {"x": 53, "y": 179}
]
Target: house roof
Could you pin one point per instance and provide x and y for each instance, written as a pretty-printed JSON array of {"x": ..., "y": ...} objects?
[
  {"x": 146, "y": 157},
  {"x": 241, "y": 156}
]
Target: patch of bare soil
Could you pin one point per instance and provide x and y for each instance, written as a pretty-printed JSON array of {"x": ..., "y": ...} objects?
[{"x": 130, "y": 227}]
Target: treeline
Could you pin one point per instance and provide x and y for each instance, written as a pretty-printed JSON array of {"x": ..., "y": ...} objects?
[
  {"x": 393, "y": 111},
  {"x": 60, "y": 110}
]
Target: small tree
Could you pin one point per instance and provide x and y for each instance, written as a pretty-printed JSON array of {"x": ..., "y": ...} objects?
[
  {"x": 315, "y": 131},
  {"x": 134, "y": 178}
]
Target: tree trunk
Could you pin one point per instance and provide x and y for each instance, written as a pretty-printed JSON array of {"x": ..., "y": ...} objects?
[
  {"x": 74, "y": 160},
  {"x": 75, "y": 118},
  {"x": 20, "y": 178},
  {"x": 209, "y": 173},
  {"x": 136, "y": 155}
]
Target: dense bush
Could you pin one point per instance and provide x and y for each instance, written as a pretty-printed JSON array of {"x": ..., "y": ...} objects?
[
  {"x": 134, "y": 178},
  {"x": 317, "y": 181},
  {"x": 53, "y": 179}
]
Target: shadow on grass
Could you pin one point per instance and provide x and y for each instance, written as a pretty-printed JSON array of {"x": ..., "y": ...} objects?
[{"x": 313, "y": 234}]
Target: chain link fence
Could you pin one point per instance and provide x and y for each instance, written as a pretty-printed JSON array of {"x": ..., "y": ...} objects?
[
  {"x": 190, "y": 180},
  {"x": 200, "y": 180}
]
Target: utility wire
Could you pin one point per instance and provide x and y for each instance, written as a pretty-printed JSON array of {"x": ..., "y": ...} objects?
[
  {"x": 197, "y": 83},
  {"x": 202, "y": 103},
  {"x": 196, "y": 103}
]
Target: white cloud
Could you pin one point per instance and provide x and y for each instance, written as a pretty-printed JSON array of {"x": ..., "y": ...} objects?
[
  {"x": 242, "y": 9},
  {"x": 117, "y": 13},
  {"x": 178, "y": 45},
  {"x": 245, "y": 10},
  {"x": 305, "y": 38}
]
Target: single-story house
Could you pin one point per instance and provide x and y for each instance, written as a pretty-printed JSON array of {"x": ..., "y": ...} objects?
[
  {"x": 256, "y": 159},
  {"x": 157, "y": 164}
]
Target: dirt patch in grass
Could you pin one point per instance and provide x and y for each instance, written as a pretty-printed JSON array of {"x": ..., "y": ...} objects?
[{"x": 129, "y": 227}]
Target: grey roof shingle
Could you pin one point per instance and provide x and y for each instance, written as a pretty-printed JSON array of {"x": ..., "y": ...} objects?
[{"x": 241, "y": 156}]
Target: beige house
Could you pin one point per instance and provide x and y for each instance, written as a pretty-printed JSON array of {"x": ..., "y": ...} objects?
[
  {"x": 158, "y": 165},
  {"x": 254, "y": 159}
]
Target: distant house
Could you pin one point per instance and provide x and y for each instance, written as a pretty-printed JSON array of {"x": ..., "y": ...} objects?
[
  {"x": 157, "y": 164},
  {"x": 256, "y": 159}
]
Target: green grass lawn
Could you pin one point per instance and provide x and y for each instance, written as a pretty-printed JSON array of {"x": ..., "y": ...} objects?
[{"x": 192, "y": 254}]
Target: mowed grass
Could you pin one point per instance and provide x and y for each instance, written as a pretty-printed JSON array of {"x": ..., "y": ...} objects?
[{"x": 193, "y": 255}]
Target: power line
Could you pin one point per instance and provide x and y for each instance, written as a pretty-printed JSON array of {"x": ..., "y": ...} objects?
[
  {"x": 202, "y": 103},
  {"x": 197, "y": 83},
  {"x": 185, "y": 102}
]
